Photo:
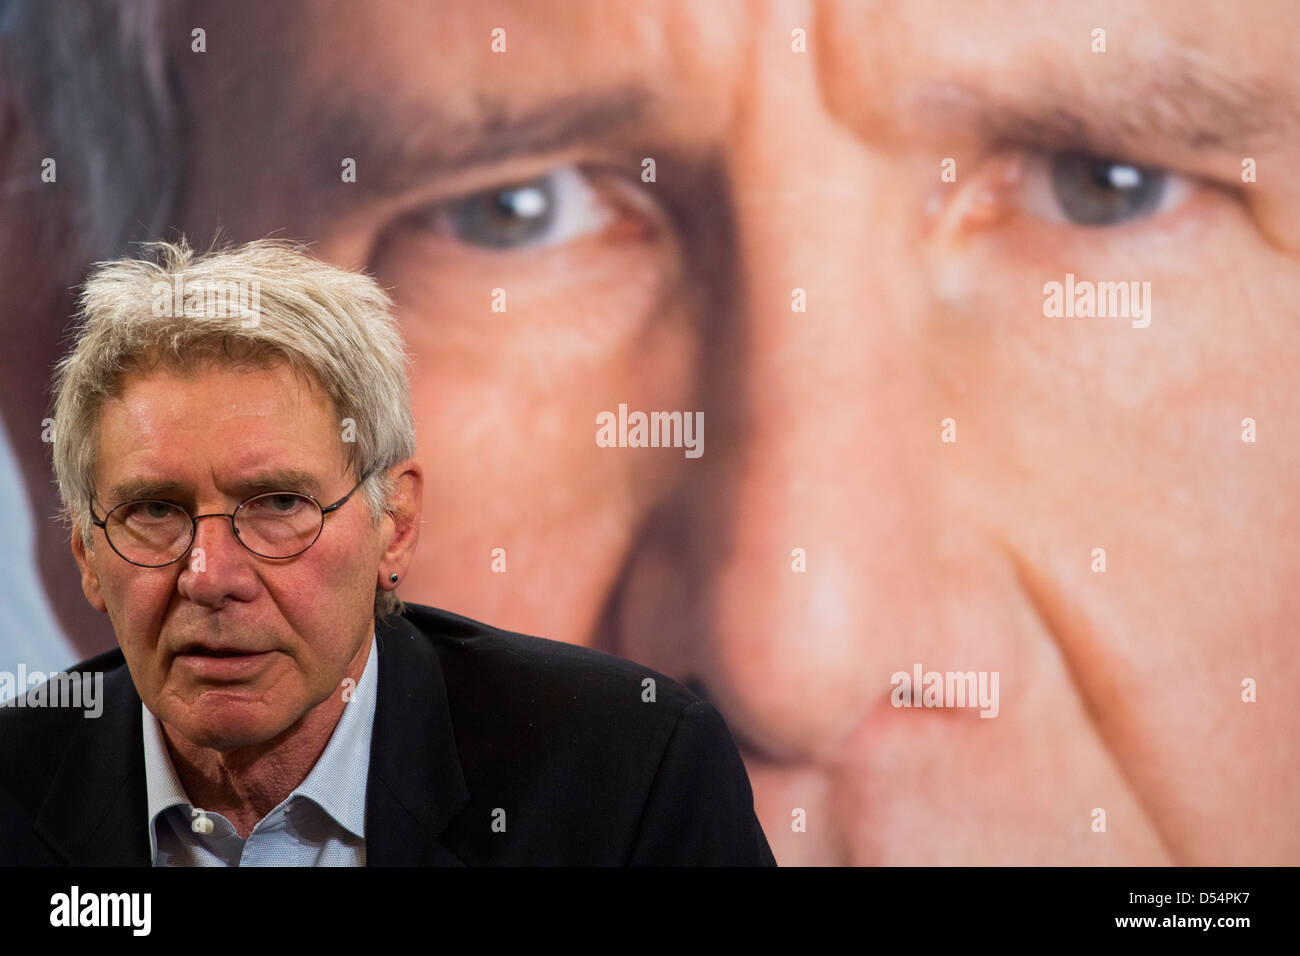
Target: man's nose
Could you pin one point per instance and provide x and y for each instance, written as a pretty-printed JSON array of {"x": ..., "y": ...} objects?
[
  {"x": 217, "y": 564},
  {"x": 786, "y": 576}
]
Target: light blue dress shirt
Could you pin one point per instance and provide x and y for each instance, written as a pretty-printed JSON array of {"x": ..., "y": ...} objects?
[{"x": 321, "y": 823}]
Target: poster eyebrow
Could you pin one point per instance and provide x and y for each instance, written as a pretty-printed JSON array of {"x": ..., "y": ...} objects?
[
  {"x": 402, "y": 154},
  {"x": 1167, "y": 107}
]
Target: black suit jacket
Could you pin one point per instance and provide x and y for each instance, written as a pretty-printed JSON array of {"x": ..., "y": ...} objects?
[{"x": 469, "y": 719}]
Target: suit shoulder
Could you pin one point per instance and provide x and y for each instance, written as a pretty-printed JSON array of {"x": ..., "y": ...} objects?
[
  {"x": 18, "y": 721},
  {"x": 592, "y": 758},
  {"x": 35, "y": 728}
]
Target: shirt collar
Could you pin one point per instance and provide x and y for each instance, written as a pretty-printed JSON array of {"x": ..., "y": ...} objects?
[{"x": 346, "y": 757}]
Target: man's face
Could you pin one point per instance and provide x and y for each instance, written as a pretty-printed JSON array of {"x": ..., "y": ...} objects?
[
  {"x": 777, "y": 170},
  {"x": 304, "y": 622}
]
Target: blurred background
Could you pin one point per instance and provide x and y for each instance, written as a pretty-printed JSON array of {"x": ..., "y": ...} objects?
[{"x": 827, "y": 231}]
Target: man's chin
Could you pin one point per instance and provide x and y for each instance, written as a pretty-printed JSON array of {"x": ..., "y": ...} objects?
[
  {"x": 216, "y": 722},
  {"x": 232, "y": 738}
]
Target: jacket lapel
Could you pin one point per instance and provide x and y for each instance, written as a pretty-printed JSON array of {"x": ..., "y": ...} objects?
[
  {"x": 416, "y": 785},
  {"x": 96, "y": 810}
]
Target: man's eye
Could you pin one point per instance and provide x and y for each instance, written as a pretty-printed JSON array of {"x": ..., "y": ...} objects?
[
  {"x": 1086, "y": 190},
  {"x": 282, "y": 503},
  {"x": 149, "y": 510},
  {"x": 551, "y": 209}
]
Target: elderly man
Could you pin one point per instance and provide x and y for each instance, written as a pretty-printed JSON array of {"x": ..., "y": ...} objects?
[{"x": 234, "y": 448}]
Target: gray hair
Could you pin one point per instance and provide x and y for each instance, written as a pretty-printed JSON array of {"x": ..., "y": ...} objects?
[{"x": 334, "y": 326}]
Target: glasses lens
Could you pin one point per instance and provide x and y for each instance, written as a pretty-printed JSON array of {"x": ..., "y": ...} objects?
[
  {"x": 279, "y": 524},
  {"x": 151, "y": 533}
]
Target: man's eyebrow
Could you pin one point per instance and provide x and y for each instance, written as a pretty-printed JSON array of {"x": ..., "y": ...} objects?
[
  {"x": 280, "y": 479},
  {"x": 135, "y": 488},
  {"x": 400, "y": 156},
  {"x": 1173, "y": 104}
]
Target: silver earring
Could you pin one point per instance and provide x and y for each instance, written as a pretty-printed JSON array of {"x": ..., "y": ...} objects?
[{"x": 393, "y": 578}]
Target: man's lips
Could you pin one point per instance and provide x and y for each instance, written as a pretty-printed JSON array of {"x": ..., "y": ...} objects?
[
  {"x": 222, "y": 663},
  {"x": 208, "y": 650}
]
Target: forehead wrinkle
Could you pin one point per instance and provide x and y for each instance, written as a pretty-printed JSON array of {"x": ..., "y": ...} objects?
[
  {"x": 860, "y": 52},
  {"x": 295, "y": 407}
]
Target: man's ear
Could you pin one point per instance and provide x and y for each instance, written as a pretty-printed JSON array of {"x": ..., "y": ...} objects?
[
  {"x": 401, "y": 526},
  {"x": 89, "y": 576}
]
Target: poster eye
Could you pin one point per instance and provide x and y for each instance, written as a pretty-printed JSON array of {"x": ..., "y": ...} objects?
[
  {"x": 1085, "y": 190},
  {"x": 553, "y": 208}
]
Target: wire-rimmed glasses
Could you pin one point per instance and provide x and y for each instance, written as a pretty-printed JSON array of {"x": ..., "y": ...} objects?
[{"x": 154, "y": 533}]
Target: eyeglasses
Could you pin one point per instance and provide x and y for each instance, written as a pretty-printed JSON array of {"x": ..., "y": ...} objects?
[{"x": 274, "y": 524}]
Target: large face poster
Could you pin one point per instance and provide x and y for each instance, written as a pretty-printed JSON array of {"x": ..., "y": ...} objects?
[{"x": 915, "y": 382}]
